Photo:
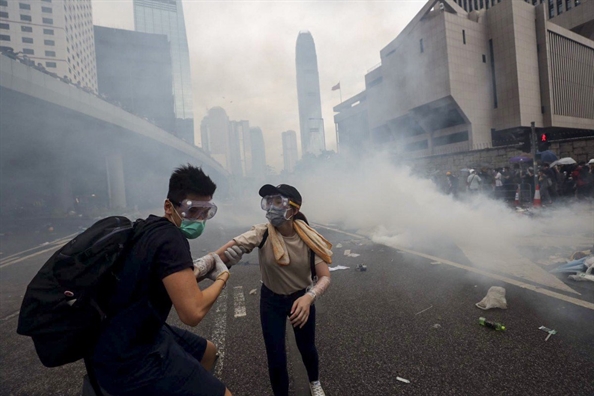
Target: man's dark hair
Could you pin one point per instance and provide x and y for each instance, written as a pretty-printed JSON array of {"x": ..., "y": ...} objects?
[{"x": 186, "y": 180}]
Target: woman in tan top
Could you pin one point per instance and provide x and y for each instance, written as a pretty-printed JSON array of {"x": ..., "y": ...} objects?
[{"x": 290, "y": 252}]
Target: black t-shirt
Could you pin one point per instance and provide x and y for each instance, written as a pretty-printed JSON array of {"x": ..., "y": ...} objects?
[{"x": 161, "y": 251}]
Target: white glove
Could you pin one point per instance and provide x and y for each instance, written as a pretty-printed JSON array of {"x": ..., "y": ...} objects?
[
  {"x": 234, "y": 254},
  {"x": 219, "y": 268},
  {"x": 203, "y": 266}
]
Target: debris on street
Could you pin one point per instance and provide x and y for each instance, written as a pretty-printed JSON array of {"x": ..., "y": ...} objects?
[
  {"x": 338, "y": 267},
  {"x": 426, "y": 309},
  {"x": 495, "y": 298},
  {"x": 338, "y": 245},
  {"x": 403, "y": 380},
  {"x": 253, "y": 291},
  {"x": 348, "y": 253},
  {"x": 547, "y": 330},
  {"x": 436, "y": 326},
  {"x": 361, "y": 267},
  {"x": 582, "y": 276},
  {"x": 492, "y": 325}
]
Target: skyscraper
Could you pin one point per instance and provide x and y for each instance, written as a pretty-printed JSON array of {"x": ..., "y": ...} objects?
[
  {"x": 57, "y": 36},
  {"x": 215, "y": 136},
  {"x": 240, "y": 148},
  {"x": 131, "y": 70},
  {"x": 311, "y": 122},
  {"x": 258, "y": 153},
  {"x": 289, "y": 150},
  {"x": 167, "y": 17}
]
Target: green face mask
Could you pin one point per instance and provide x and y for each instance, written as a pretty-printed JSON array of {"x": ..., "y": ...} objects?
[{"x": 192, "y": 229}]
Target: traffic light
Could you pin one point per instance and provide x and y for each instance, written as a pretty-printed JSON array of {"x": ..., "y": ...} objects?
[
  {"x": 526, "y": 143},
  {"x": 543, "y": 142}
]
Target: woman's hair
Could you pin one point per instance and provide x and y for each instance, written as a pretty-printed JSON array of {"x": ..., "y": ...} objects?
[{"x": 301, "y": 216}]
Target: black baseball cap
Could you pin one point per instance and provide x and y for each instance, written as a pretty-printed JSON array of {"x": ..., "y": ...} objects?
[{"x": 282, "y": 189}]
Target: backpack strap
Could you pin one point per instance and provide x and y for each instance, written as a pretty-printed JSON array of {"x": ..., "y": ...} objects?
[{"x": 265, "y": 237}]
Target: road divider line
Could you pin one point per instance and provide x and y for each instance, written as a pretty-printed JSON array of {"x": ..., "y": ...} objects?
[
  {"x": 31, "y": 256},
  {"x": 12, "y": 315},
  {"x": 239, "y": 301},
  {"x": 559, "y": 296},
  {"x": 54, "y": 242},
  {"x": 220, "y": 329}
]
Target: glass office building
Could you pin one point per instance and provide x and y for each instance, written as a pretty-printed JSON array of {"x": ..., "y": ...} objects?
[{"x": 167, "y": 17}]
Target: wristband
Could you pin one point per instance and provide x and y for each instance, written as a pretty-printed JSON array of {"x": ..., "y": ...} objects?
[{"x": 224, "y": 282}]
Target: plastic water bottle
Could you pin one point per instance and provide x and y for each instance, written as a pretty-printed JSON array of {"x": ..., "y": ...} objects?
[{"x": 492, "y": 325}]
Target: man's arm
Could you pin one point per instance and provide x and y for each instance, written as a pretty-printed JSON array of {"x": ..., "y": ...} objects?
[{"x": 191, "y": 303}]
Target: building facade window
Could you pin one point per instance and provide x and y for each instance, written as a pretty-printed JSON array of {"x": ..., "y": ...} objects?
[
  {"x": 568, "y": 5},
  {"x": 577, "y": 2},
  {"x": 3, "y": 14},
  {"x": 51, "y": 43},
  {"x": 28, "y": 51},
  {"x": 559, "y": 7},
  {"x": 3, "y": 3},
  {"x": 48, "y": 32},
  {"x": 27, "y": 29},
  {"x": 50, "y": 53},
  {"x": 47, "y": 10},
  {"x": 24, "y": 6},
  {"x": 4, "y": 26},
  {"x": 4, "y": 37},
  {"x": 493, "y": 80},
  {"x": 48, "y": 21},
  {"x": 421, "y": 44},
  {"x": 50, "y": 64},
  {"x": 551, "y": 8},
  {"x": 464, "y": 36},
  {"x": 26, "y": 18},
  {"x": 484, "y": 58},
  {"x": 27, "y": 40}
]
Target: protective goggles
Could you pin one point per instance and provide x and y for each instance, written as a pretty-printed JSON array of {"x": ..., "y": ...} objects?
[
  {"x": 277, "y": 202},
  {"x": 197, "y": 210}
]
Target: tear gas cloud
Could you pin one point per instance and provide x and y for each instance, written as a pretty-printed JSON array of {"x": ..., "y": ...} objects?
[{"x": 393, "y": 206}]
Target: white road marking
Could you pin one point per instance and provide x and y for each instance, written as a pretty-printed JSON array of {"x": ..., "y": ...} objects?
[
  {"x": 559, "y": 296},
  {"x": 220, "y": 328},
  {"x": 52, "y": 243},
  {"x": 31, "y": 256},
  {"x": 239, "y": 301}
]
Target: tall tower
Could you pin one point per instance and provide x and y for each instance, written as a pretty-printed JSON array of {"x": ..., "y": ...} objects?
[
  {"x": 258, "y": 153},
  {"x": 215, "y": 136},
  {"x": 289, "y": 150},
  {"x": 311, "y": 122},
  {"x": 167, "y": 17}
]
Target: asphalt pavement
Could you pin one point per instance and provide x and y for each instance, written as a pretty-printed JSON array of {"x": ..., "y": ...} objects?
[{"x": 407, "y": 316}]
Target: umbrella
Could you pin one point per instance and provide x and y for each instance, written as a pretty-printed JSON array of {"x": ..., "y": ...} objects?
[
  {"x": 573, "y": 266},
  {"x": 520, "y": 159},
  {"x": 564, "y": 161},
  {"x": 548, "y": 156}
]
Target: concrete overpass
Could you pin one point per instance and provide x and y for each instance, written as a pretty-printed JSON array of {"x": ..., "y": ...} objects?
[{"x": 59, "y": 143}]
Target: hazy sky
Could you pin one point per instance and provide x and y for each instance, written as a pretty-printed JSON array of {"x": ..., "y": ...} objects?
[{"x": 242, "y": 55}]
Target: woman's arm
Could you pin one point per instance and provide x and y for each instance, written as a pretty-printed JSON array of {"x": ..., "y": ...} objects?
[{"x": 221, "y": 251}]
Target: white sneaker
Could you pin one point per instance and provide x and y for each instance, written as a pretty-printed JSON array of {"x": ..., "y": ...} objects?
[{"x": 316, "y": 389}]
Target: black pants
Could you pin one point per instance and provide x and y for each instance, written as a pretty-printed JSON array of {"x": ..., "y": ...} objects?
[{"x": 274, "y": 310}]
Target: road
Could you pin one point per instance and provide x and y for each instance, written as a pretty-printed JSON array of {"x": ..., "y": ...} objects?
[{"x": 410, "y": 315}]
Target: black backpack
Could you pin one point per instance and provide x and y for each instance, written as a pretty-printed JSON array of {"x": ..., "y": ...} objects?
[{"x": 64, "y": 305}]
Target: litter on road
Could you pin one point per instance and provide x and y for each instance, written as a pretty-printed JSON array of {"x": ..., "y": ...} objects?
[
  {"x": 253, "y": 291},
  {"x": 492, "y": 325},
  {"x": 436, "y": 326},
  {"x": 403, "y": 380},
  {"x": 495, "y": 298},
  {"x": 338, "y": 245},
  {"x": 426, "y": 309},
  {"x": 550, "y": 331},
  {"x": 338, "y": 267},
  {"x": 348, "y": 253},
  {"x": 361, "y": 267}
]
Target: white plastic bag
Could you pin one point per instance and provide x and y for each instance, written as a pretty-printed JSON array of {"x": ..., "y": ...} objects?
[{"x": 495, "y": 298}]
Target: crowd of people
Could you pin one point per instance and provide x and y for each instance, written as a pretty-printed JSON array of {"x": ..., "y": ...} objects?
[{"x": 559, "y": 182}]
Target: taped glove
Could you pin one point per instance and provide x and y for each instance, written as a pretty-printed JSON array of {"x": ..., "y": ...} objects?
[
  {"x": 234, "y": 254},
  {"x": 203, "y": 266},
  {"x": 218, "y": 269}
]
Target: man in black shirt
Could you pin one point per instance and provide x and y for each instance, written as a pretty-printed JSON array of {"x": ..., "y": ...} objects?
[{"x": 137, "y": 352}]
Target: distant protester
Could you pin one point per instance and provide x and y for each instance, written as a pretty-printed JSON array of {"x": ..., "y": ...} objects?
[
  {"x": 292, "y": 255},
  {"x": 473, "y": 182}
]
